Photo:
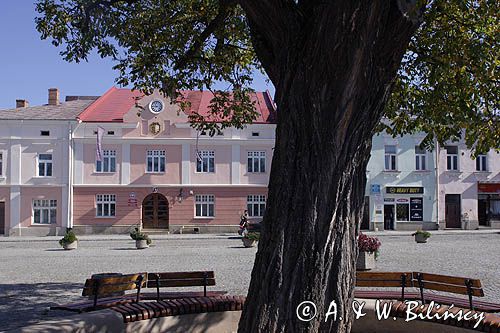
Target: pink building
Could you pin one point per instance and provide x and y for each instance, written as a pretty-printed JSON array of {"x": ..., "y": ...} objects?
[{"x": 156, "y": 170}]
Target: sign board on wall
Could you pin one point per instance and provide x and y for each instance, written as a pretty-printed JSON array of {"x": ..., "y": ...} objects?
[
  {"x": 375, "y": 189},
  {"x": 132, "y": 199},
  {"x": 404, "y": 190},
  {"x": 488, "y": 187},
  {"x": 416, "y": 209}
]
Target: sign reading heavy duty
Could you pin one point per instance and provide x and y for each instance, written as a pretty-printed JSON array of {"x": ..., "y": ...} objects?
[{"x": 404, "y": 190}]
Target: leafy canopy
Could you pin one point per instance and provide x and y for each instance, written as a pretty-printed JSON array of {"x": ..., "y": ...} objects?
[{"x": 448, "y": 82}]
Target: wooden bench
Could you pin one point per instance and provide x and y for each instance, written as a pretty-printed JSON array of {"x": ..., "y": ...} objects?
[
  {"x": 103, "y": 292},
  {"x": 181, "y": 279},
  {"x": 181, "y": 306},
  {"x": 422, "y": 282}
]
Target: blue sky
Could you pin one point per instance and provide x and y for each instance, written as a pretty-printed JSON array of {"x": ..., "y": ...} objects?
[{"x": 29, "y": 66}]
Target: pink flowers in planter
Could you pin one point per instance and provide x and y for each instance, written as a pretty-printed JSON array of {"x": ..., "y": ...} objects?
[{"x": 368, "y": 244}]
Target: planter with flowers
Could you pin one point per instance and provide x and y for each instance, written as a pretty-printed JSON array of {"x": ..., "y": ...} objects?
[
  {"x": 69, "y": 241},
  {"x": 368, "y": 252},
  {"x": 142, "y": 240},
  {"x": 421, "y": 236},
  {"x": 250, "y": 239}
]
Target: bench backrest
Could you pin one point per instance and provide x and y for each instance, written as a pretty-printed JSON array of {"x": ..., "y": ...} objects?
[
  {"x": 385, "y": 279},
  {"x": 449, "y": 284},
  {"x": 107, "y": 286},
  {"x": 180, "y": 279}
]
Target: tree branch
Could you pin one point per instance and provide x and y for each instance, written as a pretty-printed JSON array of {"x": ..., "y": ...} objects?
[{"x": 205, "y": 34}]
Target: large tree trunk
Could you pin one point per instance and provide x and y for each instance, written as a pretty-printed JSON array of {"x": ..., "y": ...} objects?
[{"x": 332, "y": 82}]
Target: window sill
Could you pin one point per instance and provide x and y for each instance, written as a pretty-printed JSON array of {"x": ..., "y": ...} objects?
[
  {"x": 104, "y": 173},
  {"x": 44, "y": 177},
  {"x": 454, "y": 172},
  {"x": 105, "y": 217},
  {"x": 422, "y": 171},
  {"x": 154, "y": 172},
  {"x": 475, "y": 172},
  {"x": 201, "y": 173},
  {"x": 33, "y": 224},
  {"x": 392, "y": 171},
  {"x": 204, "y": 217}
]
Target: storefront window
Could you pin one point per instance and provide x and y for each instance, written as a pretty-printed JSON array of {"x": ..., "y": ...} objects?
[{"x": 402, "y": 212}]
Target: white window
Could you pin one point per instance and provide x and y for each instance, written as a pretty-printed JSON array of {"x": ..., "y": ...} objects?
[
  {"x": 44, "y": 211},
  {"x": 481, "y": 163},
  {"x": 205, "y": 205},
  {"x": 205, "y": 161},
  {"x": 105, "y": 205},
  {"x": 44, "y": 165},
  {"x": 256, "y": 205},
  {"x": 390, "y": 158},
  {"x": 155, "y": 161},
  {"x": 256, "y": 161},
  {"x": 1, "y": 164},
  {"x": 420, "y": 159},
  {"x": 108, "y": 162},
  {"x": 451, "y": 158}
]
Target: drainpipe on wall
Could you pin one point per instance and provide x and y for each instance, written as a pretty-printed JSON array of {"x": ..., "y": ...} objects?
[
  {"x": 71, "y": 149},
  {"x": 69, "y": 224},
  {"x": 436, "y": 168}
]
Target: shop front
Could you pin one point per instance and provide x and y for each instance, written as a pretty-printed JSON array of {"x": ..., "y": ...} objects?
[
  {"x": 488, "y": 202},
  {"x": 404, "y": 207}
]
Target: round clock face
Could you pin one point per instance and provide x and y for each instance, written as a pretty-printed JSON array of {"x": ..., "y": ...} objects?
[{"x": 156, "y": 106}]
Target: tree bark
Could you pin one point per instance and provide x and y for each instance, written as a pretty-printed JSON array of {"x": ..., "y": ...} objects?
[{"x": 332, "y": 78}]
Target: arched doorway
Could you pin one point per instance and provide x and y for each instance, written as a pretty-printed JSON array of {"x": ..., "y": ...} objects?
[{"x": 155, "y": 212}]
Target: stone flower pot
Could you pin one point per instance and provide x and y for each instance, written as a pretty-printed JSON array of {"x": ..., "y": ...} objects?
[
  {"x": 366, "y": 261},
  {"x": 141, "y": 244},
  {"x": 420, "y": 238},
  {"x": 249, "y": 242},
  {"x": 70, "y": 246}
]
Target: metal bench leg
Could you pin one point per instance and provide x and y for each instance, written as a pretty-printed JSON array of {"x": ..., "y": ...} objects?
[{"x": 468, "y": 283}]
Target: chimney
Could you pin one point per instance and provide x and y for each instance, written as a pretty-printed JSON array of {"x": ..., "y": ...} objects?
[
  {"x": 53, "y": 96},
  {"x": 21, "y": 103}
]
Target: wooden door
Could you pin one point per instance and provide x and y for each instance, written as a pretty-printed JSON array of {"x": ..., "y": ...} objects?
[
  {"x": 155, "y": 212},
  {"x": 388, "y": 217},
  {"x": 452, "y": 211},
  {"x": 2, "y": 218},
  {"x": 482, "y": 211}
]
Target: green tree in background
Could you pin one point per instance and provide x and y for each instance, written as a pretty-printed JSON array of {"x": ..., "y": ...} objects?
[{"x": 338, "y": 66}]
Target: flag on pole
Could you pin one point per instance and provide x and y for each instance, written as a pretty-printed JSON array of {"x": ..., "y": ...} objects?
[{"x": 98, "y": 151}]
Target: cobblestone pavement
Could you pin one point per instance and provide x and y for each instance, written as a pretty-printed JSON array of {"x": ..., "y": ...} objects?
[{"x": 35, "y": 275}]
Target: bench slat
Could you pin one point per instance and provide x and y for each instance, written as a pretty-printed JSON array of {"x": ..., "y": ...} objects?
[
  {"x": 452, "y": 288},
  {"x": 446, "y": 279},
  {"x": 383, "y": 279},
  {"x": 182, "y": 275},
  {"x": 180, "y": 283}
]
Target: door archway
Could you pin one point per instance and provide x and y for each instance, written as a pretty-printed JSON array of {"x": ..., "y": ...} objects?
[{"x": 155, "y": 212}]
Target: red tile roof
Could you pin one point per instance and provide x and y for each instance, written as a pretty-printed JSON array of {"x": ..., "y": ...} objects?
[{"x": 115, "y": 103}]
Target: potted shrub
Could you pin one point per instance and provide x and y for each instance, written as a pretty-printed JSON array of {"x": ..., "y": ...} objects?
[
  {"x": 421, "y": 236},
  {"x": 368, "y": 252},
  {"x": 250, "y": 239},
  {"x": 142, "y": 240},
  {"x": 69, "y": 241}
]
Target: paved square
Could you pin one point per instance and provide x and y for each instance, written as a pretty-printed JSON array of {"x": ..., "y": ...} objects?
[{"x": 37, "y": 274}]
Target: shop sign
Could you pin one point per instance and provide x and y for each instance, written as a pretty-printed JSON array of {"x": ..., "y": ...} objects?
[
  {"x": 389, "y": 199},
  {"x": 402, "y": 200},
  {"x": 488, "y": 187},
  {"x": 416, "y": 209},
  {"x": 404, "y": 190}
]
